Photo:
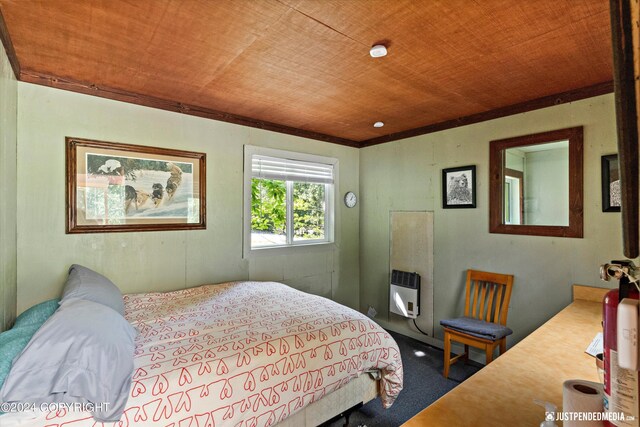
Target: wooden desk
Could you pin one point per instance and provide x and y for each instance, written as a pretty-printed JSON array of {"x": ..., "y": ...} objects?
[{"x": 502, "y": 393}]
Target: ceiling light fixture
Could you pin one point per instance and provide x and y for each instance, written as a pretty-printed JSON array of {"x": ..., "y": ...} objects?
[
  {"x": 378, "y": 51},
  {"x": 378, "y": 124}
]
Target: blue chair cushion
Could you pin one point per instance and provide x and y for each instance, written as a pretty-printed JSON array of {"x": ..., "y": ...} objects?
[{"x": 477, "y": 328}]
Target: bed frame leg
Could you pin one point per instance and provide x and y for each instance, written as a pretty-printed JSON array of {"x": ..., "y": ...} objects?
[{"x": 345, "y": 414}]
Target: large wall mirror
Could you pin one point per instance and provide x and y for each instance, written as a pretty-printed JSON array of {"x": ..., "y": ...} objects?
[{"x": 536, "y": 184}]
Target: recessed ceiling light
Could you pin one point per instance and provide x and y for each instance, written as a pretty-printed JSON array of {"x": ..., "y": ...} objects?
[
  {"x": 378, "y": 124},
  {"x": 378, "y": 51}
]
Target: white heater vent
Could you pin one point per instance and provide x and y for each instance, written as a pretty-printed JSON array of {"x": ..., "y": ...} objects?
[{"x": 404, "y": 294}]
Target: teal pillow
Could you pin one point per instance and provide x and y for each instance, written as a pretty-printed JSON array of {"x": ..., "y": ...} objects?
[
  {"x": 38, "y": 314},
  {"x": 13, "y": 341}
]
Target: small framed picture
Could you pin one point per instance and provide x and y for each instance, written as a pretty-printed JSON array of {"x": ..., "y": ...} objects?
[
  {"x": 610, "y": 183},
  {"x": 459, "y": 187}
]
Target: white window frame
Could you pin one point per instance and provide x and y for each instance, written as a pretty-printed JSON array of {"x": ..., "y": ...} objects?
[{"x": 330, "y": 200}]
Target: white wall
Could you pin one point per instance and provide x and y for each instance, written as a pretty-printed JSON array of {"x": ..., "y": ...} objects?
[
  {"x": 162, "y": 260},
  {"x": 402, "y": 175},
  {"x": 8, "y": 122},
  {"x": 546, "y": 187},
  {"x": 406, "y": 175},
  {"x": 514, "y": 159}
]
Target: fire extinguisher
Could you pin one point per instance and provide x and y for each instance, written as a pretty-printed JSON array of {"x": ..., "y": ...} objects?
[{"x": 616, "y": 400}]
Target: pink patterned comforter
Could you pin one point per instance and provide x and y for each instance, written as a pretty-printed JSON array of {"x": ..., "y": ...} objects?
[{"x": 243, "y": 354}]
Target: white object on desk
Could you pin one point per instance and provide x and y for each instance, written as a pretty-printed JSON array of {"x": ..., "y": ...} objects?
[
  {"x": 582, "y": 396},
  {"x": 596, "y": 345}
]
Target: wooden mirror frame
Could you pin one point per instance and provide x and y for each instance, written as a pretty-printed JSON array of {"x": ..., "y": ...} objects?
[{"x": 496, "y": 184}]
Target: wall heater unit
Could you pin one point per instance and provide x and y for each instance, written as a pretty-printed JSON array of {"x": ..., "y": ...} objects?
[{"x": 404, "y": 294}]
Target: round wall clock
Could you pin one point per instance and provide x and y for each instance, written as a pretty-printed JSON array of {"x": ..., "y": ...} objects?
[{"x": 350, "y": 199}]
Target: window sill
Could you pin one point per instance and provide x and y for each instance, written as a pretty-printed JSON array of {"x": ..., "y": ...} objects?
[{"x": 290, "y": 249}]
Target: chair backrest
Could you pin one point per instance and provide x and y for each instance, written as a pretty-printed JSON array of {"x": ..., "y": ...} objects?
[{"x": 487, "y": 296}]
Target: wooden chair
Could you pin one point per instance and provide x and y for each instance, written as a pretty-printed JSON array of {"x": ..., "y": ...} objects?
[{"x": 487, "y": 299}]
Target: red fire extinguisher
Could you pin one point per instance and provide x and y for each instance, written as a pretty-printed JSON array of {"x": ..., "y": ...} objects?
[{"x": 615, "y": 389}]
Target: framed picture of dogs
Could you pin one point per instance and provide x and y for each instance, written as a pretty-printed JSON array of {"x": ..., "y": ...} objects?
[
  {"x": 113, "y": 187},
  {"x": 459, "y": 187}
]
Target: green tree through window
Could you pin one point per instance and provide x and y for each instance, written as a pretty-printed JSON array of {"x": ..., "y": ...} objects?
[
  {"x": 269, "y": 211},
  {"x": 268, "y": 206},
  {"x": 308, "y": 210}
]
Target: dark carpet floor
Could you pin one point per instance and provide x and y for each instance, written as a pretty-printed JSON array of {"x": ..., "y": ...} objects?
[{"x": 423, "y": 385}]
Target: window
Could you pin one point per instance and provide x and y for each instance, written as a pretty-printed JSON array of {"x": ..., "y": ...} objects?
[{"x": 289, "y": 198}]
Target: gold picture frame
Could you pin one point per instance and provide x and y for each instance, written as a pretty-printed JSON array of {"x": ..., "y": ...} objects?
[{"x": 114, "y": 187}]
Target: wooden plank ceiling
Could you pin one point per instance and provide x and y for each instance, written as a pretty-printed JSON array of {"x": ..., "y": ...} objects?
[{"x": 304, "y": 66}]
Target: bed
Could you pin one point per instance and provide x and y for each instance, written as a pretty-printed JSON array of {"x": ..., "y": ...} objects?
[{"x": 247, "y": 354}]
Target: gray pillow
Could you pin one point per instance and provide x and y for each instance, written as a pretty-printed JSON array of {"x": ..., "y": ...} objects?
[
  {"x": 82, "y": 354},
  {"x": 84, "y": 283}
]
